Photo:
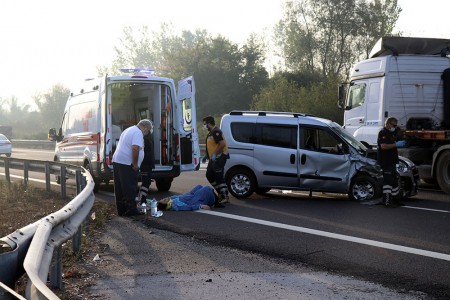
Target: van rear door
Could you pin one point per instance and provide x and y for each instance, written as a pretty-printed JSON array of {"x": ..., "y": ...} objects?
[{"x": 189, "y": 149}]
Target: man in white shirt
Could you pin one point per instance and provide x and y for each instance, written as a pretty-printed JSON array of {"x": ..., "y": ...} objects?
[{"x": 126, "y": 161}]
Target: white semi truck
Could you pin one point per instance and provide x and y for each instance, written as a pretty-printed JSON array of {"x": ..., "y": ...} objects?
[{"x": 409, "y": 79}]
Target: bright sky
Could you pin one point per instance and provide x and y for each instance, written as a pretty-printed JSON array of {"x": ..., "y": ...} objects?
[{"x": 49, "y": 41}]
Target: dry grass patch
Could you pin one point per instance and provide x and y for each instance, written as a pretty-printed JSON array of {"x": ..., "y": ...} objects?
[{"x": 22, "y": 204}]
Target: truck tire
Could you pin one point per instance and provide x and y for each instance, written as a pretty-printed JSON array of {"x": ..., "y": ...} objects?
[{"x": 443, "y": 171}]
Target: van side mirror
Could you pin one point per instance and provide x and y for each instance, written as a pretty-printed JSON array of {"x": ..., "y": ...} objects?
[
  {"x": 341, "y": 96},
  {"x": 53, "y": 136}
]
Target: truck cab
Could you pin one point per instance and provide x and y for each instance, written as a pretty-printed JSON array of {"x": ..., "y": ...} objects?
[{"x": 404, "y": 78}]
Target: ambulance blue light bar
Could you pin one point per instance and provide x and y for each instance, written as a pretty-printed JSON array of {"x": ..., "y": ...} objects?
[{"x": 144, "y": 72}]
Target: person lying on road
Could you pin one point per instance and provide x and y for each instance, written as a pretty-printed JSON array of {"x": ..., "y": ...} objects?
[{"x": 200, "y": 197}]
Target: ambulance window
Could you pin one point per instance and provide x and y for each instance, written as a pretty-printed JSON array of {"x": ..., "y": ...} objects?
[
  {"x": 64, "y": 126},
  {"x": 187, "y": 114}
]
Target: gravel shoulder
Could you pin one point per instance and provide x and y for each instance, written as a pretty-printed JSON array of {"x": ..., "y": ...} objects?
[{"x": 137, "y": 262}]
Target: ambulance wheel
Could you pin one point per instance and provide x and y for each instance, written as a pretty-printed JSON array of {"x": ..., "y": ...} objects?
[
  {"x": 88, "y": 167},
  {"x": 163, "y": 184}
]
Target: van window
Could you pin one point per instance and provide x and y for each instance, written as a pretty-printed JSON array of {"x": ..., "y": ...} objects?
[
  {"x": 318, "y": 139},
  {"x": 243, "y": 132},
  {"x": 357, "y": 95},
  {"x": 278, "y": 136}
]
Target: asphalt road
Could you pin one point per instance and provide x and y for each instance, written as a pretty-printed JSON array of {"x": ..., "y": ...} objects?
[{"x": 404, "y": 251}]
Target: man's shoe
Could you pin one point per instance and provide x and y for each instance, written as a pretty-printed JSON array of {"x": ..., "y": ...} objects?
[
  {"x": 223, "y": 199},
  {"x": 218, "y": 205}
]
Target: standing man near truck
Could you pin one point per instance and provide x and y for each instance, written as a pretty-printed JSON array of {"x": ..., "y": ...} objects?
[
  {"x": 388, "y": 159},
  {"x": 217, "y": 152}
]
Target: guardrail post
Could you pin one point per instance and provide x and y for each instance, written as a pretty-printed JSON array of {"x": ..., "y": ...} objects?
[
  {"x": 63, "y": 181},
  {"x": 76, "y": 239},
  {"x": 56, "y": 270},
  {"x": 47, "y": 177},
  {"x": 25, "y": 172},
  {"x": 7, "y": 174}
]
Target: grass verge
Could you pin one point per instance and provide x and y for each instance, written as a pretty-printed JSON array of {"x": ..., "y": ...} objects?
[{"x": 21, "y": 205}]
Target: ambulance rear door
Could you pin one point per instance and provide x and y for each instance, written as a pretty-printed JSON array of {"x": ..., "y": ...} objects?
[{"x": 189, "y": 149}]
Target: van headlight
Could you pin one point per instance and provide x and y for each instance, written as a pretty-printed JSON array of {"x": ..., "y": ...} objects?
[{"x": 402, "y": 167}]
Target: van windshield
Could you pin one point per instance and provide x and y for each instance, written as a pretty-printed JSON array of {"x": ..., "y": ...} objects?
[{"x": 349, "y": 138}]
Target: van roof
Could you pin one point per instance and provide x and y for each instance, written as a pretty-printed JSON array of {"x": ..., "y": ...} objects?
[{"x": 308, "y": 118}]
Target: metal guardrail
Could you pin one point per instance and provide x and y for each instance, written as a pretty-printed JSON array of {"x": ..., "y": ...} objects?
[{"x": 31, "y": 247}]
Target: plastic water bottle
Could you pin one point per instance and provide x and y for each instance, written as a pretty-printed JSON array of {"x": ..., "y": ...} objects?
[
  {"x": 144, "y": 208},
  {"x": 153, "y": 207}
]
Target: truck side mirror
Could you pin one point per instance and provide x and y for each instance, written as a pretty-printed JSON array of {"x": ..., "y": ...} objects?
[{"x": 341, "y": 96}]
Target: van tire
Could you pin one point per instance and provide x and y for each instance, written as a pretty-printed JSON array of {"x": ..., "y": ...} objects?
[
  {"x": 363, "y": 188},
  {"x": 241, "y": 183},
  {"x": 443, "y": 171},
  {"x": 163, "y": 184}
]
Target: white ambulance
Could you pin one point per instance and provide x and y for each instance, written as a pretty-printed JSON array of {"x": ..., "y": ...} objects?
[{"x": 99, "y": 110}]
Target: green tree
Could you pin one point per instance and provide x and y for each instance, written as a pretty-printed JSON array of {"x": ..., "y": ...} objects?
[
  {"x": 226, "y": 76},
  {"x": 328, "y": 36},
  {"x": 51, "y": 107},
  {"x": 317, "y": 97}
]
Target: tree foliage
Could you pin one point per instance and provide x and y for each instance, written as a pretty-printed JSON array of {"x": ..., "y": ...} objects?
[
  {"x": 328, "y": 36},
  {"x": 227, "y": 76},
  {"x": 51, "y": 105},
  {"x": 318, "y": 41}
]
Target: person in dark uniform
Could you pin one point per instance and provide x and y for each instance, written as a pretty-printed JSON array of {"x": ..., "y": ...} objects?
[
  {"x": 148, "y": 164},
  {"x": 217, "y": 153},
  {"x": 388, "y": 159}
]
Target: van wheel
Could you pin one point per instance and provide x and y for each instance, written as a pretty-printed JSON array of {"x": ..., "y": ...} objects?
[
  {"x": 163, "y": 184},
  {"x": 443, "y": 172},
  {"x": 241, "y": 183},
  {"x": 364, "y": 187}
]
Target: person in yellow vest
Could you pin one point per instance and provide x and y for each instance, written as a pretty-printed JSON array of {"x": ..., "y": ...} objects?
[{"x": 217, "y": 153}]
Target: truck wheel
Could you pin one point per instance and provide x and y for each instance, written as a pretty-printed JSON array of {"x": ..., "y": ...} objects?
[
  {"x": 163, "y": 184},
  {"x": 241, "y": 183},
  {"x": 443, "y": 172},
  {"x": 364, "y": 187}
]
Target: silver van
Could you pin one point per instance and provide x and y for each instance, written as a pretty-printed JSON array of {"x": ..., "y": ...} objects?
[{"x": 294, "y": 151}]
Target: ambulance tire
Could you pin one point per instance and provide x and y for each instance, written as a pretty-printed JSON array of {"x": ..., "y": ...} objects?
[
  {"x": 88, "y": 167},
  {"x": 163, "y": 184}
]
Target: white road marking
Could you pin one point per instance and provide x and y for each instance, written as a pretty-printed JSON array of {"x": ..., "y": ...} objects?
[
  {"x": 347, "y": 238},
  {"x": 429, "y": 209},
  {"x": 394, "y": 247}
]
